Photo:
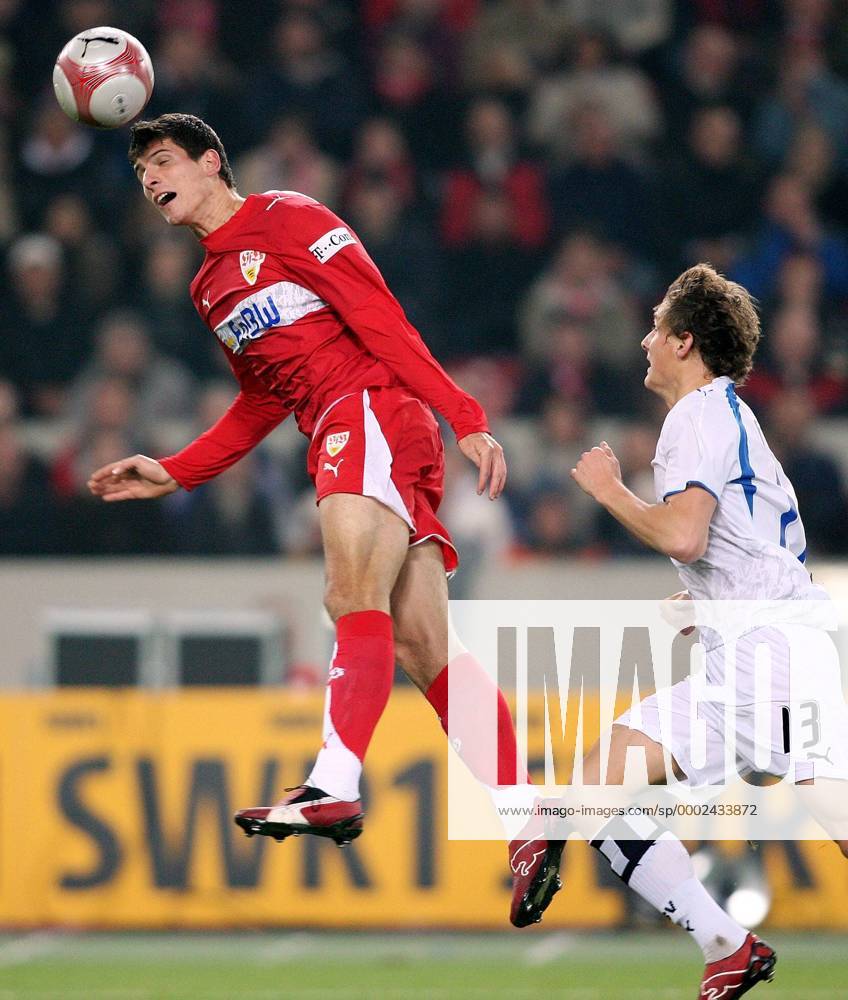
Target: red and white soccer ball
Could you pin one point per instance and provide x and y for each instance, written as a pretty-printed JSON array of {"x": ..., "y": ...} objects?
[{"x": 103, "y": 77}]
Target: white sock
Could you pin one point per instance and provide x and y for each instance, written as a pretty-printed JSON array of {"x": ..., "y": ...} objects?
[
  {"x": 337, "y": 769},
  {"x": 514, "y": 806},
  {"x": 666, "y": 879}
]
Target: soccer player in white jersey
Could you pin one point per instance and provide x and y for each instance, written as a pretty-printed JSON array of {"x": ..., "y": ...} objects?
[{"x": 727, "y": 516}]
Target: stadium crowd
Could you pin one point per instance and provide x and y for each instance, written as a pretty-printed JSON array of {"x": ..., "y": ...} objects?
[{"x": 529, "y": 175}]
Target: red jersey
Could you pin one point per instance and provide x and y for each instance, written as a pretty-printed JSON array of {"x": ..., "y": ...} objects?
[{"x": 304, "y": 318}]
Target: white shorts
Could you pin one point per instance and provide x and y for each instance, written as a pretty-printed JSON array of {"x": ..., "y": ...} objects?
[{"x": 781, "y": 706}]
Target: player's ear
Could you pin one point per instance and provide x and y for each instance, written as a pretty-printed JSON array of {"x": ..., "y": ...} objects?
[
  {"x": 685, "y": 345},
  {"x": 211, "y": 162}
]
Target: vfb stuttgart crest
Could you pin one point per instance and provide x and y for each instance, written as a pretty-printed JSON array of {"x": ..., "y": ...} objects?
[
  {"x": 251, "y": 261},
  {"x": 335, "y": 443}
]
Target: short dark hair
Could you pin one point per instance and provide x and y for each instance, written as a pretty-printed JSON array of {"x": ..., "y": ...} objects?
[
  {"x": 721, "y": 315},
  {"x": 186, "y": 131}
]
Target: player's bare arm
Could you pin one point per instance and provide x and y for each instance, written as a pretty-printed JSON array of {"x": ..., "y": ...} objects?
[
  {"x": 485, "y": 452},
  {"x": 678, "y": 527},
  {"x": 135, "y": 478}
]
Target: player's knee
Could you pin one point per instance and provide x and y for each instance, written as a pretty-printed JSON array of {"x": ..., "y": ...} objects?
[
  {"x": 343, "y": 597},
  {"x": 411, "y": 651},
  {"x": 336, "y": 600},
  {"x": 340, "y": 601},
  {"x": 420, "y": 655}
]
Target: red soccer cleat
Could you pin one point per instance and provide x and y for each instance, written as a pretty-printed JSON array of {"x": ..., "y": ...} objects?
[
  {"x": 534, "y": 865},
  {"x": 728, "y": 979},
  {"x": 305, "y": 810}
]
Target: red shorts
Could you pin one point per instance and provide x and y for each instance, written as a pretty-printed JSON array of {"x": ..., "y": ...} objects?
[{"x": 385, "y": 443}]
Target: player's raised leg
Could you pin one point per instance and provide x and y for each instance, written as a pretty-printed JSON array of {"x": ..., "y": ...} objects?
[
  {"x": 365, "y": 545},
  {"x": 655, "y": 864},
  {"x": 480, "y": 723}
]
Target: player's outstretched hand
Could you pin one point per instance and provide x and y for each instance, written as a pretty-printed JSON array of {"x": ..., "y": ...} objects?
[
  {"x": 597, "y": 470},
  {"x": 135, "y": 478},
  {"x": 485, "y": 452}
]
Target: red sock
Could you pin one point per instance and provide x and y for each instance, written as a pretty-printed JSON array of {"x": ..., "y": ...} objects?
[
  {"x": 358, "y": 688},
  {"x": 481, "y": 725}
]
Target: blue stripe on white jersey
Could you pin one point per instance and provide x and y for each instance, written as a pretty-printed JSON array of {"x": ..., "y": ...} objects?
[
  {"x": 746, "y": 476},
  {"x": 756, "y": 545}
]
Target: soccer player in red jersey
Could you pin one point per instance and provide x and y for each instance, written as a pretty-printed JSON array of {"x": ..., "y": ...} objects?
[{"x": 310, "y": 328}]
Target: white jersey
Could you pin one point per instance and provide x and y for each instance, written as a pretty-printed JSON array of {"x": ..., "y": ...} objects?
[{"x": 756, "y": 546}]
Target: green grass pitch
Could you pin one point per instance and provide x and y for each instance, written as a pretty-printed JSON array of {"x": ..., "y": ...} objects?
[{"x": 317, "y": 965}]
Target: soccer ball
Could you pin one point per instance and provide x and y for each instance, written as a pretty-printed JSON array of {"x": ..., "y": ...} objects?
[{"x": 103, "y": 77}]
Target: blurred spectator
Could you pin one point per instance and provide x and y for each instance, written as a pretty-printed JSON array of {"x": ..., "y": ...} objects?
[
  {"x": 94, "y": 259},
  {"x": 494, "y": 163},
  {"x": 581, "y": 282},
  {"x": 707, "y": 70},
  {"x": 243, "y": 30},
  {"x": 161, "y": 388},
  {"x": 812, "y": 159},
  {"x": 10, "y": 407},
  {"x": 550, "y": 529},
  {"x": 169, "y": 264},
  {"x": 636, "y": 27},
  {"x": 618, "y": 90},
  {"x": 573, "y": 370},
  {"x": 9, "y": 211},
  {"x": 198, "y": 15},
  {"x": 599, "y": 188},
  {"x": 408, "y": 88},
  {"x": 818, "y": 483},
  {"x": 28, "y": 515},
  {"x": 302, "y": 529},
  {"x": 439, "y": 25},
  {"x": 482, "y": 537},
  {"x": 484, "y": 282},
  {"x": 381, "y": 156},
  {"x": 806, "y": 93},
  {"x": 230, "y": 515},
  {"x": 305, "y": 74},
  {"x": 76, "y": 16},
  {"x": 510, "y": 44},
  {"x": 91, "y": 528},
  {"x": 800, "y": 287},
  {"x": 452, "y": 15},
  {"x": 192, "y": 76},
  {"x": 709, "y": 193},
  {"x": 289, "y": 160},
  {"x": 800, "y": 282},
  {"x": 796, "y": 358},
  {"x": 743, "y": 16},
  {"x": 791, "y": 225},
  {"x": 491, "y": 381},
  {"x": 45, "y": 340},
  {"x": 562, "y": 436},
  {"x": 636, "y": 453},
  {"x": 807, "y": 23},
  {"x": 55, "y": 158},
  {"x": 406, "y": 254},
  {"x": 238, "y": 511},
  {"x": 111, "y": 410}
]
